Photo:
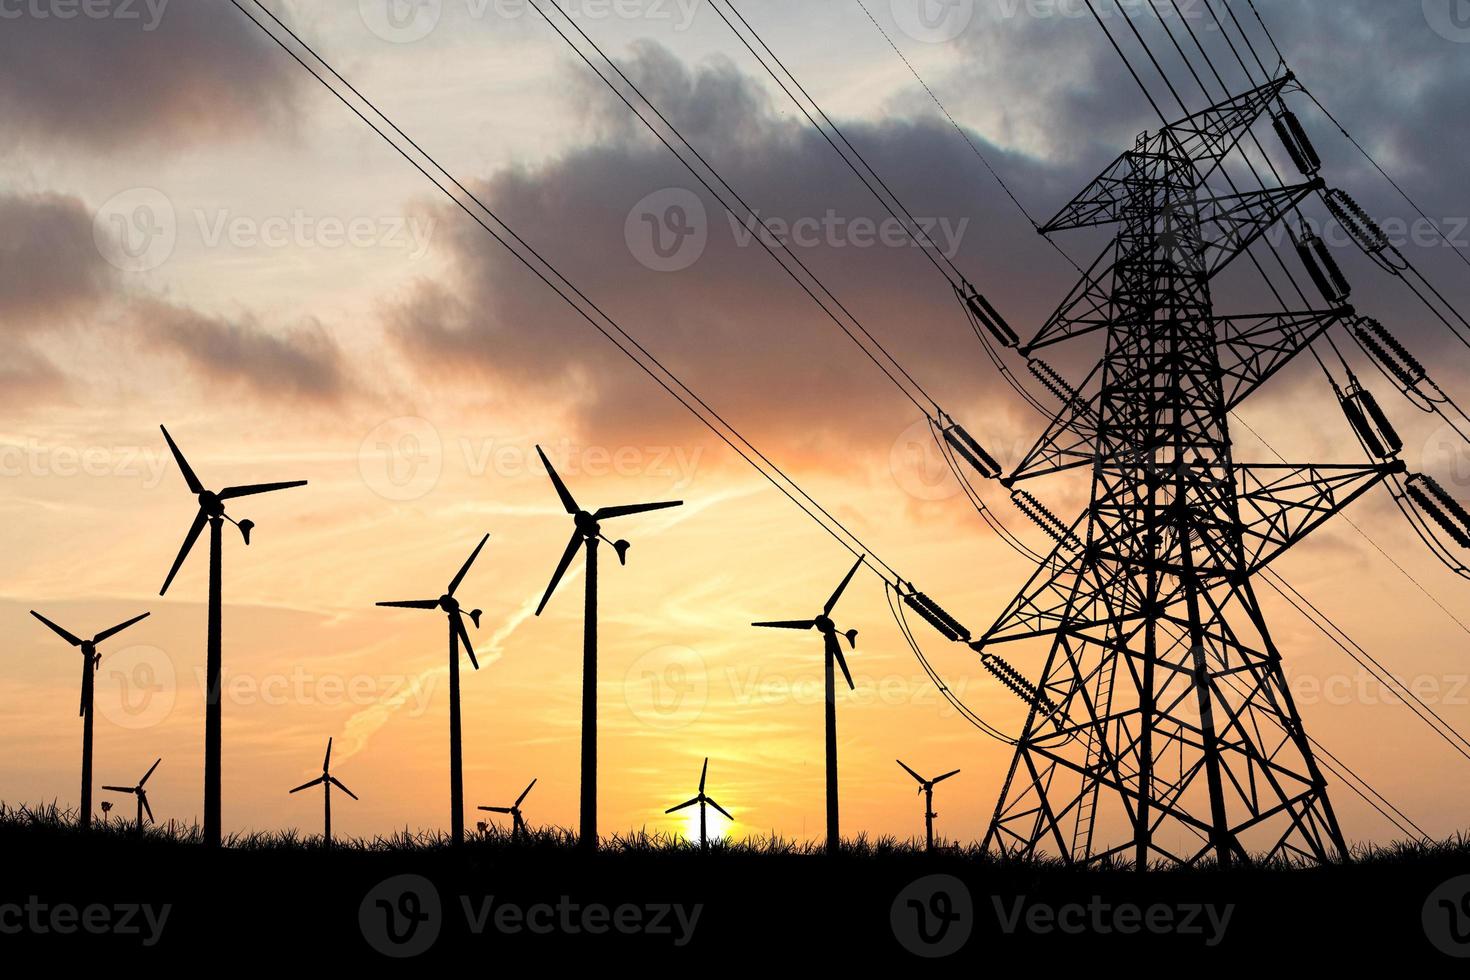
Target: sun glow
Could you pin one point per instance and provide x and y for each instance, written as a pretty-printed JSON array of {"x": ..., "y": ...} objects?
[{"x": 719, "y": 827}]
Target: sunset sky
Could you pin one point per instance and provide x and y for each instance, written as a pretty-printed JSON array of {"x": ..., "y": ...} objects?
[{"x": 193, "y": 232}]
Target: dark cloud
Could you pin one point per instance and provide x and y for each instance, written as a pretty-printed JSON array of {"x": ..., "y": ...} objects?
[
  {"x": 732, "y": 324},
  {"x": 50, "y": 268},
  {"x": 303, "y": 363},
  {"x": 151, "y": 73}
]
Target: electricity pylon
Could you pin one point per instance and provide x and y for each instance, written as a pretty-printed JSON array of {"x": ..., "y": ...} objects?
[{"x": 1161, "y": 728}]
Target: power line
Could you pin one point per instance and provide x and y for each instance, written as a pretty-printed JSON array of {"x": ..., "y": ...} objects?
[{"x": 851, "y": 540}]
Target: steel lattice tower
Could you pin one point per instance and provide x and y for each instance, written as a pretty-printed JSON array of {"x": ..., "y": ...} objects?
[{"x": 1160, "y": 714}]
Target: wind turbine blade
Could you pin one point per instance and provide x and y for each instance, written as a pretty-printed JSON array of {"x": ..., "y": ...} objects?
[
  {"x": 721, "y": 809},
  {"x": 338, "y": 783},
  {"x": 466, "y": 569},
  {"x": 412, "y": 604},
  {"x": 317, "y": 781},
  {"x": 941, "y": 779},
  {"x": 328, "y": 760},
  {"x": 522, "y": 798},
  {"x": 495, "y": 809},
  {"x": 702, "y": 773},
  {"x": 832, "y": 602},
  {"x": 193, "y": 481},
  {"x": 148, "y": 773},
  {"x": 683, "y": 806},
  {"x": 567, "y": 500},
  {"x": 910, "y": 771},
  {"x": 842, "y": 662},
  {"x": 109, "y": 634},
  {"x": 790, "y": 624},
  {"x": 230, "y": 493},
  {"x": 189, "y": 539},
  {"x": 607, "y": 513},
  {"x": 118, "y": 789},
  {"x": 143, "y": 798},
  {"x": 58, "y": 630},
  {"x": 464, "y": 638},
  {"x": 561, "y": 569},
  {"x": 82, "y": 699}
]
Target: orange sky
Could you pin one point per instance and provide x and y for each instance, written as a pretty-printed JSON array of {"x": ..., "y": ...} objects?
[{"x": 307, "y": 361}]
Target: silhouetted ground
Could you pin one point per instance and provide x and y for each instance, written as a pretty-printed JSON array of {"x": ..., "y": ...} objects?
[{"x": 643, "y": 901}]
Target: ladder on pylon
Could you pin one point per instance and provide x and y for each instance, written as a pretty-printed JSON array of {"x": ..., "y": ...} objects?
[{"x": 1087, "y": 806}]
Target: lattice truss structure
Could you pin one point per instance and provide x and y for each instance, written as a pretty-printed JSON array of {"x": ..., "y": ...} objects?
[{"x": 1161, "y": 728}]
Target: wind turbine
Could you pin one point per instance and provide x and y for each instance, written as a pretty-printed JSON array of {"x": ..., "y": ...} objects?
[
  {"x": 703, "y": 801},
  {"x": 833, "y": 647},
  {"x": 450, "y": 606},
  {"x": 212, "y": 512},
  {"x": 140, "y": 793},
  {"x": 517, "y": 822},
  {"x": 588, "y": 532},
  {"x": 926, "y": 786},
  {"x": 327, "y": 781},
  {"x": 91, "y": 659}
]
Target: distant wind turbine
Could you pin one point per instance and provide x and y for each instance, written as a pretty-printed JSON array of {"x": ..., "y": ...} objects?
[
  {"x": 588, "y": 533},
  {"x": 833, "y": 648},
  {"x": 517, "y": 821},
  {"x": 926, "y": 786},
  {"x": 91, "y": 659},
  {"x": 450, "y": 606},
  {"x": 702, "y": 801},
  {"x": 212, "y": 512},
  {"x": 326, "y": 781},
  {"x": 140, "y": 793}
]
